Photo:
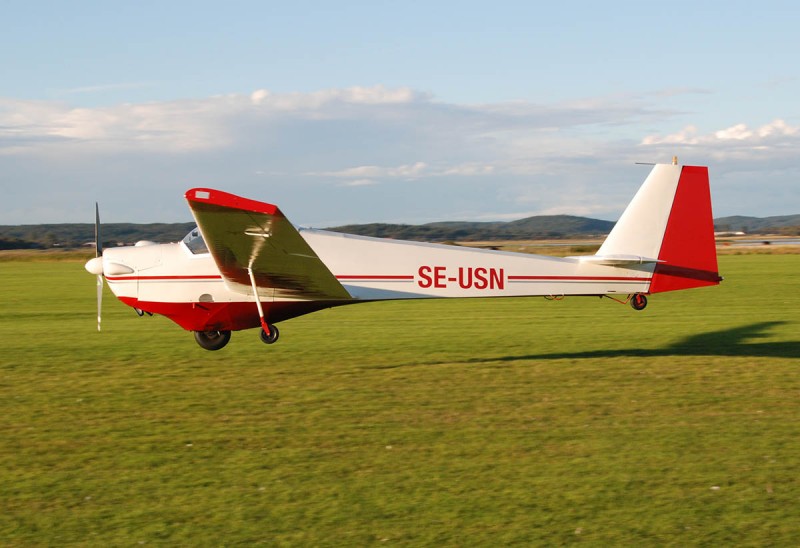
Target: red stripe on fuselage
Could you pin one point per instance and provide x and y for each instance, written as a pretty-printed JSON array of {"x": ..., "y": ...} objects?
[
  {"x": 577, "y": 278},
  {"x": 159, "y": 278},
  {"x": 510, "y": 278},
  {"x": 381, "y": 277},
  {"x": 392, "y": 277}
]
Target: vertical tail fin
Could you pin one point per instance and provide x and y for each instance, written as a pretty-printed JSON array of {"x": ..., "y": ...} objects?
[{"x": 670, "y": 219}]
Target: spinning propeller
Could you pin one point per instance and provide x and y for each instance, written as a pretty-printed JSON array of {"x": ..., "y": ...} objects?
[{"x": 95, "y": 266}]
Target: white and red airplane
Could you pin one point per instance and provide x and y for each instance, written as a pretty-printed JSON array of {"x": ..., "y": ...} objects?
[{"x": 246, "y": 266}]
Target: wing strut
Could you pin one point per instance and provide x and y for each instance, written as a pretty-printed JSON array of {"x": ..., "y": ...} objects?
[{"x": 264, "y": 324}]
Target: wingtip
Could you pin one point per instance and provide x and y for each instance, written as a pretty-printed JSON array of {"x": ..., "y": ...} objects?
[{"x": 226, "y": 199}]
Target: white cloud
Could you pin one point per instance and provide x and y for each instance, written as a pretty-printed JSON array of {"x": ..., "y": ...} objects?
[
  {"x": 259, "y": 96},
  {"x": 304, "y": 148},
  {"x": 360, "y": 182},
  {"x": 739, "y": 132},
  {"x": 43, "y": 127},
  {"x": 358, "y": 95},
  {"x": 777, "y": 127},
  {"x": 409, "y": 171},
  {"x": 469, "y": 170},
  {"x": 686, "y": 136},
  {"x": 186, "y": 125},
  {"x": 754, "y": 169},
  {"x": 218, "y": 122}
]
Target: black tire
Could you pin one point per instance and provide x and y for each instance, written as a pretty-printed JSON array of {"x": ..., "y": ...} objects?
[
  {"x": 212, "y": 340},
  {"x": 273, "y": 335},
  {"x": 639, "y": 301}
]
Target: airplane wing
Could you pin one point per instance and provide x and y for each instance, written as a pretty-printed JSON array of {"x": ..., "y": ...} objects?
[{"x": 247, "y": 236}]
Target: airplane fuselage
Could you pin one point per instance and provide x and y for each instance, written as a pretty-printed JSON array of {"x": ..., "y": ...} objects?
[
  {"x": 246, "y": 265},
  {"x": 187, "y": 287}
]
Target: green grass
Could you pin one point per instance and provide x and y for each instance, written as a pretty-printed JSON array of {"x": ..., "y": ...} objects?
[{"x": 456, "y": 422}]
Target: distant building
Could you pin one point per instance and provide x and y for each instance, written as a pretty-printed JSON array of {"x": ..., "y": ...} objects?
[{"x": 728, "y": 233}]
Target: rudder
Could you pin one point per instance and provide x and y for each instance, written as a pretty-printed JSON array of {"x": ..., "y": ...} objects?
[{"x": 688, "y": 254}]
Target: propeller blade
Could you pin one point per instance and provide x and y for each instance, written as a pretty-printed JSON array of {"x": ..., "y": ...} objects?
[
  {"x": 98, "y": 252},
  {"x": 99, "y": 299},
  {"x": 98, "y": 244}
]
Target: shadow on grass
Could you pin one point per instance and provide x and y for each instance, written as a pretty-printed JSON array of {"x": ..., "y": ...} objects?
[{"x": 736, "y": 341}]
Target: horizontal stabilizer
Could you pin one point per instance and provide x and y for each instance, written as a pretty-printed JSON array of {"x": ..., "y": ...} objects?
[{"x": 615, "y": 260}]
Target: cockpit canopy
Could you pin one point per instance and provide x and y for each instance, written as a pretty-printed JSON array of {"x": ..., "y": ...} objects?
[{"x": 194, "y": 241}]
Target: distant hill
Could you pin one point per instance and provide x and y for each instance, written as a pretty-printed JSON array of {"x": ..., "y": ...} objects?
[
  {"x": 78, "y": 234},
  {"x": 530, "y": 228},
  {"x": 757, "y": 224}
]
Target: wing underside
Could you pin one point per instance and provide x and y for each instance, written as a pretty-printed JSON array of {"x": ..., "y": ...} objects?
[{"x": 248, "y": 237}]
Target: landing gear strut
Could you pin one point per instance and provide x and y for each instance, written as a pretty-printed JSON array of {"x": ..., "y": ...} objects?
[
  {"x": 212, "y": 340},
  {"x": 269, "y": 333},
  {"x": 638, "y": 301}
]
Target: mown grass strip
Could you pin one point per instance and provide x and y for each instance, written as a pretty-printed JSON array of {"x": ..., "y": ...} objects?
[{"x": 473, "y": 422}]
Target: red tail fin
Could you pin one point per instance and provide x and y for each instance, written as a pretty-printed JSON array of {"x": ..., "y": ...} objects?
[{"x": 688, "y": 251}]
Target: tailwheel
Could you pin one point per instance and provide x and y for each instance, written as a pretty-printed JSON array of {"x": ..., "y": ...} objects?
[
  {"x": 273, "y": 335},
  {"x": 212, "y": 340},
  {"x": 639, "y": 301}
]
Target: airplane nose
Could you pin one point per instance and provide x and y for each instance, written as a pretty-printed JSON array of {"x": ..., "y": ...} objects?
[
  {"x": 95, "y": 266},
  {"x": 117, "y": 269}
]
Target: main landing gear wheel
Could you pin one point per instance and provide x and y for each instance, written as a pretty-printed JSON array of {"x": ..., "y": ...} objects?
[
  {"x": 212, "y": 340},
  {"x": 273, "y": 335},
  {"x": 638, "y": 301}
]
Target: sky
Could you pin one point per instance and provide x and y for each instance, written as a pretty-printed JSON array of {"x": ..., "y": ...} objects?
[{"x": 355, "y": 112}]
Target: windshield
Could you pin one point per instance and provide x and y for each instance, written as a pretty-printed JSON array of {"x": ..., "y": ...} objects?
[{"x": 194, "y": 241}]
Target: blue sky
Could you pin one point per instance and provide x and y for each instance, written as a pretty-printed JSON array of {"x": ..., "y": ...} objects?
[{"x": 398, "y": 112}]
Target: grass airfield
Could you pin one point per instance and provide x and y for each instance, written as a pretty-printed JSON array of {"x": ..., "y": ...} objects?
[{"x": 453, "y": 422}]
